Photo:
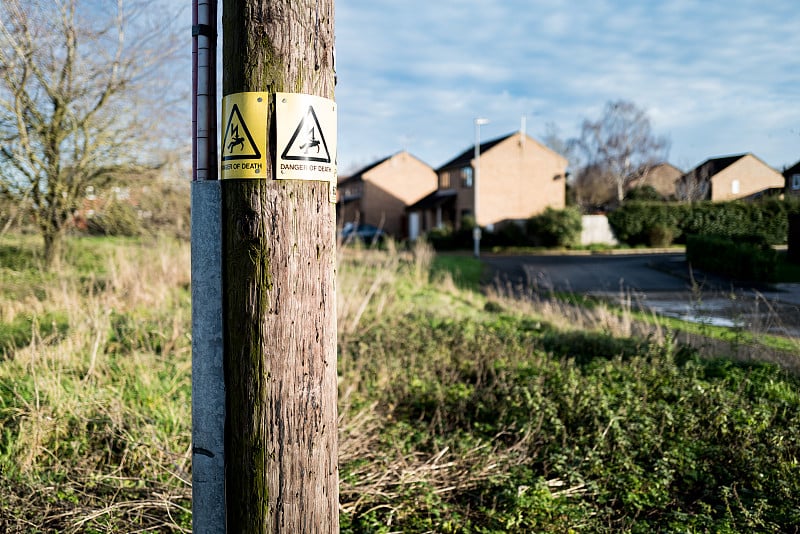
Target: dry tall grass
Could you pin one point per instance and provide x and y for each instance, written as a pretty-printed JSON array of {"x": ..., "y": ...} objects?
[
  {"x": 103, "y": 410},
  {"x": 100, "y": 414},
  {"x": 615, "y": 315}
]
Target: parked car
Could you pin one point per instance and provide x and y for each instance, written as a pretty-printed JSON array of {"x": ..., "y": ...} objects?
[{"x": 365, "y": 233}]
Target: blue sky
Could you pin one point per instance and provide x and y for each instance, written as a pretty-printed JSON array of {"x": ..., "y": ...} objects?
[{"x": 716, "y": 77}]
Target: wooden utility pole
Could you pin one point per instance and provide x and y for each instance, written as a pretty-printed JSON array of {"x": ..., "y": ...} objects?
[{"x": 279, "y": 258}]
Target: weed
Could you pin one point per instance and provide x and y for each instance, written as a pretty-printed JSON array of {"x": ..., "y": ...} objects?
[
  {"x": 96, "y": 428},
  {"x": 458, "y": 412}
]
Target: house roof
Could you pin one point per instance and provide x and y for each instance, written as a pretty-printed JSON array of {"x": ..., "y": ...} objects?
[
  {"x": 359, "y": 175},
  {"x": 464, "y": 159},
  {"x": 713, "y": 166},
  {"x": 666, "y": 164},
  {"x": 432, "y": 200},
  {"x": 794, "y": 169}
]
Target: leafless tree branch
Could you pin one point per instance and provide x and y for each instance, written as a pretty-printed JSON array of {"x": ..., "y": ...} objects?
[
  {"x": 78, "y": 99},
  {"x": 619, "y": 147}
]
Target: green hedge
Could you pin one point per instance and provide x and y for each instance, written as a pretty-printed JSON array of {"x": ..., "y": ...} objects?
[
  {"x": 640, "y": 223},
  {"x": 633, "y": 222},
  {"x": 743, "y": 259},
  {"x": 555, "y": 228},
  {"x": 551, "y": 228}
]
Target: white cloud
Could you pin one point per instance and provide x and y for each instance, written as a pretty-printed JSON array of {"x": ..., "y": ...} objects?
[{"x": 711, "y": 75}]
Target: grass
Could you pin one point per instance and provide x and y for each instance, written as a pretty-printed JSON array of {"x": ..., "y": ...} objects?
[
  {"x": 459, "y": 412},
  {"x": 629, "y": 310},
  {"x": 525, "y": 416},
  {"x": 466, "y": 271},
  {"x": 95, "y": 396}
]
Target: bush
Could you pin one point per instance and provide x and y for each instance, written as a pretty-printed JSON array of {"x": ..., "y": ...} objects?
[
  {"x": 446, "y": 238},
  {"x": 661, "y": 235},
  {"x": 633, "y": 222},
  {"x": 162, "y": 207},
  {"x": 639, "y": 223},
  {"x": 555, "y": 228},
  {"x": 744, "y": 258},
  {"x": 512, "y": 234},
  {"x": 117, "y": 219},
  {"x": 644, "y": 193}
]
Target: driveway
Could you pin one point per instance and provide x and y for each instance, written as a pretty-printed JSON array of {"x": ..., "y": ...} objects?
[{"x": 584, "y": 274}]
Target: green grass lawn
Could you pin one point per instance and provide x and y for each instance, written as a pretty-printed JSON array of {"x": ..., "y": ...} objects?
[{"x": 467, "y": 271}]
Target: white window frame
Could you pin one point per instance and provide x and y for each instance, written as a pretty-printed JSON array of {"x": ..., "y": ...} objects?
[
  {"x": 795, "y": 182},
  {"x": 466, "y": 177}
]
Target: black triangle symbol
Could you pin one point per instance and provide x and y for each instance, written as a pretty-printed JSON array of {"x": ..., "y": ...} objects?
[
  {"x": 309, "y": 142},
  {"x": 237, "y": 140}
]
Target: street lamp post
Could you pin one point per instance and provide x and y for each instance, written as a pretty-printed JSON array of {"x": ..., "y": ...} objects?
[{"x": 476, "y": 232}]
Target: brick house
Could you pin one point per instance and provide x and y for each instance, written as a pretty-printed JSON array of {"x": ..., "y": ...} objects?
[
  {"x": 729, "y": 178},
  {"x": 379, "y": 193},
  {"x": 792, "y": 177},
  {"x": 518, "y": 177},
  {"x": 661, "y": 176}
]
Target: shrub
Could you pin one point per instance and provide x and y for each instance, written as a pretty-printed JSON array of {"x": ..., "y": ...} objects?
[
  {"x": 164, "y": 208},
  {"x": 509, "y": 234},
  {"x": 117, "y": 219},
  {"x": 644, "y": 193},
  {"x": 555, "y": 228},
  {"x": 744, "y": 258},
  {"x": 442, "y": 238},
  {"x": 794, "y": 238},
  {"x": 661, "y": 235},
  {"x": 446, "y": 238},
  {"x": 637, "y": 223},
  {"x": 633, "y": 222}
]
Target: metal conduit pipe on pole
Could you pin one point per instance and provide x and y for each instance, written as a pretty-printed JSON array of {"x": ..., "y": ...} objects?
[{"x": 208, "y": 382}]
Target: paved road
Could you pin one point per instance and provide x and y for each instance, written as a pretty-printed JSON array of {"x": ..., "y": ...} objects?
[
  {"x": 661, "y": 282},
  {"x": 591, "y": 273}
]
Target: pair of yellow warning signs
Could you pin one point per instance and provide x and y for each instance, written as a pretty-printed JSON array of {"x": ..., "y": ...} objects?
[{"x": 306, "y": 137}]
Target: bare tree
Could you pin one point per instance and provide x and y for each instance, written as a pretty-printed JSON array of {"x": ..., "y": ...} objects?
[
  {"x": 694, "y": 185},
  {"x": 593, "y": 189},
  {"x": 620, "y": 146},
  {"x": 77, "y": 101},
  {"x": 553, "y": 140}
]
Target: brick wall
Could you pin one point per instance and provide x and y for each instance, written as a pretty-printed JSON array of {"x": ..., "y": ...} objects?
[
  {"x": 519, "y": 178},
  {"x": 391, "y": 186},
  {"x": 752, "y": 176}
]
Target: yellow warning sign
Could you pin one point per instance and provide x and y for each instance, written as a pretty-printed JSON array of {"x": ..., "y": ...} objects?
[
  {"x": 244, "y": 138},
  {"x": 306, "y": 137}
]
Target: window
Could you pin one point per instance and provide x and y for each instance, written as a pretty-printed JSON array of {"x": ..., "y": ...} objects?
[
  {"x": 735, "y": 187},
  {"x": 796, "y": 181},
  {"x": 466, "y": 177},
  {"x": 444, "y": 180}
]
